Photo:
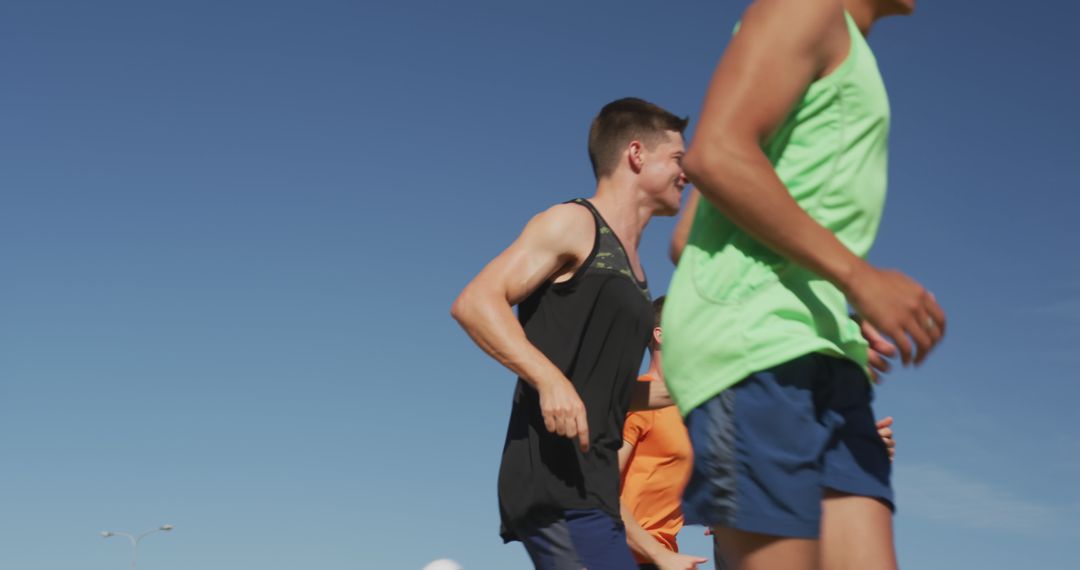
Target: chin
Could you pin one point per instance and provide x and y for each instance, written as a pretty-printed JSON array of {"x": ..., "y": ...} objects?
[{"x": 900, "y": 7}]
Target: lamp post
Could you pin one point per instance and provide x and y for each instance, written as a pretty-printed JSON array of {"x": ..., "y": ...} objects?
[{"x": 135, "y": 539}]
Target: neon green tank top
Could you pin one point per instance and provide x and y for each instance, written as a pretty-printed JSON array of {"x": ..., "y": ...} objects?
[{"x": 735, "y": 307}]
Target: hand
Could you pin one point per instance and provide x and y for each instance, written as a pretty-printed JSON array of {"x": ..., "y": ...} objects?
[
  {"x": 879, "y": 349},
  {"x": 900, "y": 308},
  {"x": 563, "y": 411},
  {"x": 884, "y": 429},
  {"x": 676, "y": 561}
]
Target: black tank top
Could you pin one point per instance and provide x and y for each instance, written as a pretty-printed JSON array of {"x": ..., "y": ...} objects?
[{"x": 595, "y": 328}]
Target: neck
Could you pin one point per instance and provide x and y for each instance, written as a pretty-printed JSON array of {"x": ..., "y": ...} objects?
[
  {"x": 864, "y": 12},
  {"x": 654, "y": 365},
  {"x": 622, "y": 209}
]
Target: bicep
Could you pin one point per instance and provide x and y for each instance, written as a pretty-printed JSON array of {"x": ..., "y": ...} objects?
[{"x": 550, "y": 242}]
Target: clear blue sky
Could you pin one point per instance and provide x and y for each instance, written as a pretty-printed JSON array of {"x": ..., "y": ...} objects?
[{"x": 231, "y": 232}]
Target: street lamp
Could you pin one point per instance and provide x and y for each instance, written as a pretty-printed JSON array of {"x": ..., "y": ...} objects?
[{"x": 135, "y": 539}]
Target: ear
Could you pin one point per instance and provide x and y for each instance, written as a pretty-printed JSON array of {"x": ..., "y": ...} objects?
[
  {"x": 656, "y": 336},
  {"x": 635, "y": 156}
]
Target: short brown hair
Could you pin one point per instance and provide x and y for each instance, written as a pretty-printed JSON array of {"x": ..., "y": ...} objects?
[
  {"x": 658, "y": 311},
  {"x": 625, "y": 120}
]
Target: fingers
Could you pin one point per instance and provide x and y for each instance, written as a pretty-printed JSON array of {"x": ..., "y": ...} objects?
[
  {"x": 903, "y": 311},
  {"x": 922, "y": 331},
  {"x": 879, "y": 349},
  {"x": 930, "y": 325},
  {"x": 876, "y": 340},
  {"x": 903, "y": 344},
  {"x": 877, "y": 361},
  {"x": 581, "y": 422},
  {"x": 549, "y": 421},
  {"x": 571, "y": 424},
  {"x": 936, "y": 313},
  {"x": 885, "y": 431},
  {"x": 564, "y": 414}
]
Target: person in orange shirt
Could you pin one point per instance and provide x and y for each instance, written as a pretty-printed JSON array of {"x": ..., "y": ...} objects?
[{"x": 655, "y": 461}]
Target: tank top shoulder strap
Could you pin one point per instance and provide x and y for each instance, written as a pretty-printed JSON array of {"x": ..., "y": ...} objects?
[
  {"x": 601, "y": 225},
  {"x": 607, "y": 253}
]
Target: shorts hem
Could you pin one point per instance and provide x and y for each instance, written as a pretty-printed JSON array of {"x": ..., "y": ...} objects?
[
  {"x": 859, "y": 487},
  {"x": 773, "y": 526}
]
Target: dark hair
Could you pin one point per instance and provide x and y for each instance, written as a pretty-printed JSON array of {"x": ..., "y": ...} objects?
[
  {"x": 658, "y": 309},
  {"x": 625, "y": 120}
]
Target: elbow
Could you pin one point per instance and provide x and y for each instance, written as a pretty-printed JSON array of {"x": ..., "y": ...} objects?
[
  {"x": 709, "y": 164},
  {"x": 459, "y": 310},
  {"x": 696, "y": 164}
]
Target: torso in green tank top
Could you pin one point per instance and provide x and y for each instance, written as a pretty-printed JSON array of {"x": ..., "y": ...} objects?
[{"x": 735, "y": 307}]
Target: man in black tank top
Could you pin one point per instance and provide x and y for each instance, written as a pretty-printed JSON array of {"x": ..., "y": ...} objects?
[{"x": 584, "y": 321}]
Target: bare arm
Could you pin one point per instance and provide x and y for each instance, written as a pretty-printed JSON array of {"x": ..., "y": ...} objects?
[
  {"x": 649, "y": 396},
  {"x": 783, "y": 46},
  {"x": 552, "y": 242},
  {"x": 639, "y": 539},
  {"x": 682, "y": 228}
]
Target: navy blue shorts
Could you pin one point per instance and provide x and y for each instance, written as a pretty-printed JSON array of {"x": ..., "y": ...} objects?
[
  {"x": 587, "y": 538},
  {"x": 767, "y": 448}
]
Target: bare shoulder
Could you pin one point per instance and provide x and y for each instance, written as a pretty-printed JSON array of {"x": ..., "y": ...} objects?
[
  {"x": 804, "y": 24},
  {"x": 564, "y": 229}
]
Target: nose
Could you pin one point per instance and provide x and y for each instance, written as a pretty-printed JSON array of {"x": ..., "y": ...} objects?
[{"x": 682, "y": 179}]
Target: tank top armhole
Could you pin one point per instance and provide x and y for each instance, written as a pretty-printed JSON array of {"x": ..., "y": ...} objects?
[
  {"x": 852, "y": 56},
  {"x": 595, "y": 246}
]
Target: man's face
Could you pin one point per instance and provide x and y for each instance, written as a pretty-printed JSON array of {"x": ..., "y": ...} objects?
[{"x": 662, "y": 173}]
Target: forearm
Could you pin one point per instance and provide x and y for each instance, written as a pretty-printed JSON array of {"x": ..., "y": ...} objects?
[
  {"x": 639, "y": 540},
  {"x": 681, "y": 235},
  {"x": 741, "y": 183},
  {"x": 650, "y": 396},
  {"x": 490, "y": 322}
]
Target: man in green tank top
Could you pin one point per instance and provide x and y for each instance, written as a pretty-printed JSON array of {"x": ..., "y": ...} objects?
[{"x": 762, "y": 356}]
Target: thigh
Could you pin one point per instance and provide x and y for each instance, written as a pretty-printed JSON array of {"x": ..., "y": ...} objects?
[
  {"x": 856, "y": 533},
  {"x": 600, "y": 540},
  {"x": 551, "y": 546},
  {"x": 739, "y": 550}
]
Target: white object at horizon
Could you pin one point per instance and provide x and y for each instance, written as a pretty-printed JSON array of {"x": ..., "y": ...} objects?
[
  {"x": 443, "y": 564},
  {"x": 135, "y": 539}
]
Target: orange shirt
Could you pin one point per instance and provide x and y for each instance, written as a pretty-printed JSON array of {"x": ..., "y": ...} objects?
[{"x": 657, "y": 470}]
